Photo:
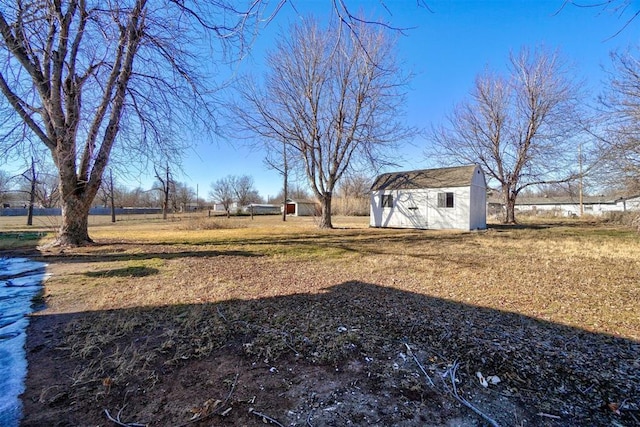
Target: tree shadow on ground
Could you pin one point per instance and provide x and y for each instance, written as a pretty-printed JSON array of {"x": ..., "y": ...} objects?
[
  {"x": 356, "y": 354},
  {"x": 111, "y": 255},
  {"x": 355, "y": 241}
]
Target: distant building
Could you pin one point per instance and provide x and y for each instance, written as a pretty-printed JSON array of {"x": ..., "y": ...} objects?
[
  {"x": 444, "y": 198},
  {"x": 570, "y": 206},
  {"x": 219, "y": 207},
  {"x": 301, "y": 207},
  {"x": 262, "y": 209}
]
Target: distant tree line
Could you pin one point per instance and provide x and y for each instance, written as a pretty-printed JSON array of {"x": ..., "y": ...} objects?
[{"x": 351, "y": 198}]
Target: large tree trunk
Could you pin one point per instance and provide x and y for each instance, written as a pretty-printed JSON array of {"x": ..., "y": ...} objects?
[
  {"x": 74, "y": 230},
  {"x": 32, "y": 194},
  {"x": 76, "y": 197},
  {"x": 325, "y": 217},
  {"x": 510, "y": 207}
]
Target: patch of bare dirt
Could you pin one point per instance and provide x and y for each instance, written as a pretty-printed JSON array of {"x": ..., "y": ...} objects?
[{"x": 228, "y": 388}]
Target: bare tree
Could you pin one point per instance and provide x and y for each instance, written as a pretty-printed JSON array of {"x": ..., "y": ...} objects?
[
  {"x": 222, "y": 192},
  {"x": 520, "y": 128},
  {"x": 623, "y": 9},
  {"x": 334, "y": 97},
  {"x": 283, "y": 159},
  {"x": 48, "y": 190},
  {"x": 90, "y": 79},
  {"x": 182, "y": 196},
  {"x": 280, "y": 163},
  {"x": 138, "y": 197},
  {"x": 621, "y": 128},
  {"x": 353, "y": 194},
  {"x": 112, "y": 201},
  {"x": 244, "y": 190},
  {"x": 5, "y": 186},
  {"x": 165, "y": 184},
  {"x": 40, "y": 186},
  {"x": 111, "y": 192},
  {"x": 32, "y": 178}
]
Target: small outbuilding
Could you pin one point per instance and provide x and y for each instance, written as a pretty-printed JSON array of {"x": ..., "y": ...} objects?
[
  {"x": 262, "y": 209},
  {"x": 434, "y": 199},
  {"x": 301, "y": 207}
]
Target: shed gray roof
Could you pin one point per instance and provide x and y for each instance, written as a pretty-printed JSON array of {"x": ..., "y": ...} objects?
[{"x": 458, "y": 176}]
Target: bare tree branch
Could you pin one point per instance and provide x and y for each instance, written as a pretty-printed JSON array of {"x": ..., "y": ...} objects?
[{"x": 619, "y": 134}]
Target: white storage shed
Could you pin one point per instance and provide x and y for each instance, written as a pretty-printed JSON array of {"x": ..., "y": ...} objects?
[{"x": 434, "y": 199}]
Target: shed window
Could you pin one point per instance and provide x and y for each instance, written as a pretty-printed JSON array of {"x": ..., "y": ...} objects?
[
  {"x": 445, "y": 200},
  {"x": 387, "y": 200}
]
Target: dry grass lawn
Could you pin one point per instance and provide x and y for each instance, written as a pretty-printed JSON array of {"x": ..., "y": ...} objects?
[{"x": 551, "y": 308}]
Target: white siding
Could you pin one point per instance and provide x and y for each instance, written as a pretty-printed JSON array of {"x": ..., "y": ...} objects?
[
  {"x": 419, "y": 209},
  {"x": 409, "y": 209},
  {"x": 456, "y": 217},
  {"x": 305, "y": 209},
  {"x": 478, "y": 201},
  {"x": 632, "y": 204}
]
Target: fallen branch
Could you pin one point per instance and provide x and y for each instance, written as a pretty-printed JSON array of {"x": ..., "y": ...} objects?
[
  {"x": 221, "y": 314},
  {"x": 233, "y": 387},
  {"x": 309, "y": 419},
  {"x": 117, "y": 421},
  {"x": 543, "y": 414},
  {"x": 265, "y": 417},
  {"x": 415, "y": 359},
  {"x": 452, "y": 377}
]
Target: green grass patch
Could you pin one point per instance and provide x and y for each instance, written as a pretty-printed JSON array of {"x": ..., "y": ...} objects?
[{"x": 21, "y": 239}]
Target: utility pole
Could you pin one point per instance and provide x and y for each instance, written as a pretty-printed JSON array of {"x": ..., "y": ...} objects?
[
  {"x": 111, "y": 197},
  {"x": 285, "y": 177},
  {"x": 580, "y": 181},
  {"x": 32, "y": 192}
]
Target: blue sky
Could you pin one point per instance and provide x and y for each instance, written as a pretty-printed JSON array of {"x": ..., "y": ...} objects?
[{"x": 448, "y": 47}]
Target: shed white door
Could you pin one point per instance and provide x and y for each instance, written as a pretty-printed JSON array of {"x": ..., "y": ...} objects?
[
  {"x": 414, "y": 217},
  {"x": 413, "y": 207}
]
